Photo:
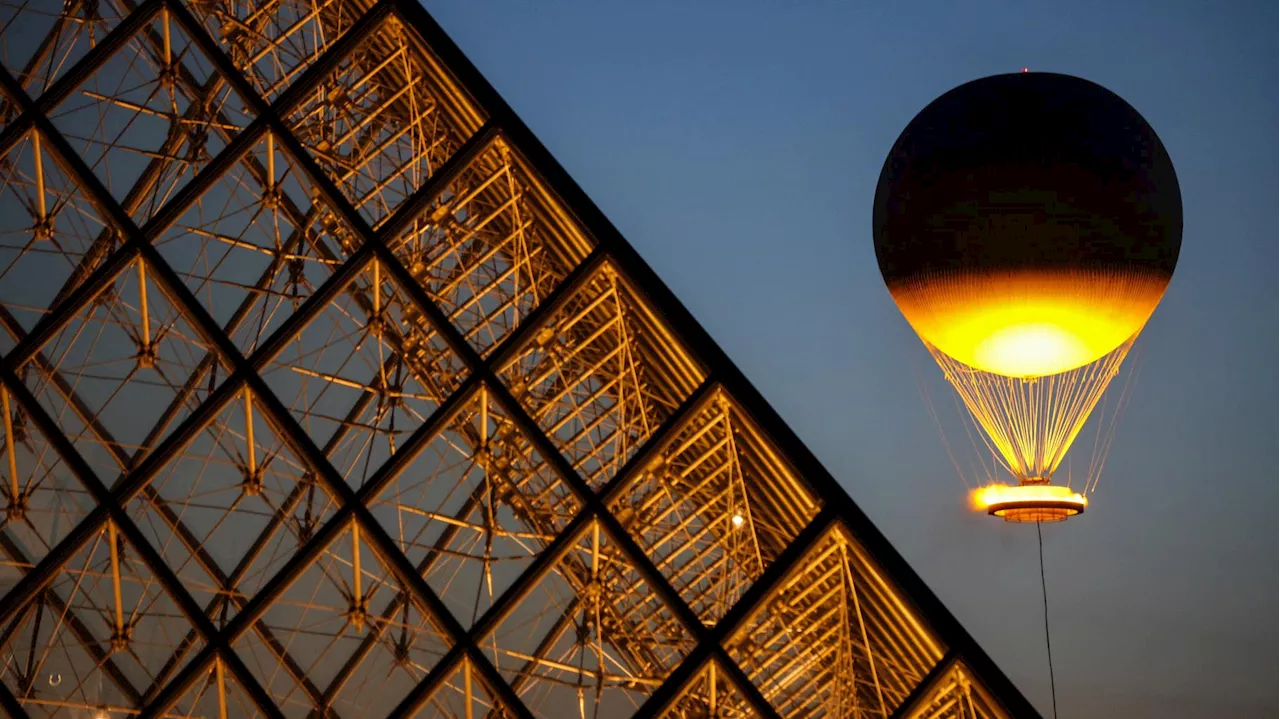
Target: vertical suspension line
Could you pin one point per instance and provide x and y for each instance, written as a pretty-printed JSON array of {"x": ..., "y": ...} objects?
[
  {"x": 168, "y": 73},
  {"x": 711, "y": 691},
  {"x": 113, "y": 540},
  {"x": 15, "y": 493},
  {"x": 466, "y": 684},
  {"x": 357, "y": 600},
  {"x": 220, "y": 673},
  {"x": 146, "y": 349},
  {"x": 1048, "y": 646},
  {"x": 251, "y": 457},
  {"x": 271, "y": 163},
  {"x": 41, "y": 202},
  {"x": 168, "y": 40}
]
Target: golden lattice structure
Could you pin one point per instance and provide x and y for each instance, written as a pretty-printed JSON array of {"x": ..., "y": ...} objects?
[{"x": 326, "y": 393}]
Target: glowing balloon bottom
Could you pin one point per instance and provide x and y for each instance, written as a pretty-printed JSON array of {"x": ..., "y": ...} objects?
[{"x": 1029, "y": 502}]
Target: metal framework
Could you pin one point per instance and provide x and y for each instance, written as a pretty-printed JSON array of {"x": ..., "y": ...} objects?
[{"x": 327, "y": 393}]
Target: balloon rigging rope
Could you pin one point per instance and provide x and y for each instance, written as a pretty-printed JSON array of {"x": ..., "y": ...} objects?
[
  {"x": 1048, "y": 647},
  {"x": 1030, "y": 424}
]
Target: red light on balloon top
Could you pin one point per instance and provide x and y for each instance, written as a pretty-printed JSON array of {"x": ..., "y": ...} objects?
[{"x": 1025, "y": 70}]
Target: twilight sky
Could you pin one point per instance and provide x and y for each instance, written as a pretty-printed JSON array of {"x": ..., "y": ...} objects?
[{"x": 737, "y": 146}]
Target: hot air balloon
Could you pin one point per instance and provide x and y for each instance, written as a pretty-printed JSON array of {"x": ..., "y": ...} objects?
[{"x": 1027, "y": 225}]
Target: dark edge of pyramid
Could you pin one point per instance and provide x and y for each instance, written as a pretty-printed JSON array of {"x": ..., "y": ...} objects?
[{"x": 701, "y": 344}]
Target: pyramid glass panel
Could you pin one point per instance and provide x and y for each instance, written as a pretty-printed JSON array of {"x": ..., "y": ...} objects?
[
  {"x": 714, "y": 507},
  {"x": 591, "y": 635},
  {"x": 123, "y": 371},
  {"x": 325, "y": 392},
  {"x": 365, "y": 373},
  {"x": 384, "y": 120},
  {"x": 104, "y": 633},
  {"x": 256, "y": 243},
  {"x": 50, "y": 235},
  {"x": 492, "y": 246},
  {"x": 601, "y": 374},
  {"x": 835, "y": 638},
  {"x": 475, "y": 507},
  {"x": 150, "y": 116},
  {"x": 230, "y": 508}
]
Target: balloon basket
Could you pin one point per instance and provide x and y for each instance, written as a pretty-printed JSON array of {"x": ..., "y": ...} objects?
[{"x": 1038, "y": 502}]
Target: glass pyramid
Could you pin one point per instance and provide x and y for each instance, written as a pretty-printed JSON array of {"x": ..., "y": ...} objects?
[{"x": 327, "y": 393}]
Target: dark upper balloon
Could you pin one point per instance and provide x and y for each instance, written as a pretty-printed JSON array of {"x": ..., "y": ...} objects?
[{"x": 1033, "y": 170}]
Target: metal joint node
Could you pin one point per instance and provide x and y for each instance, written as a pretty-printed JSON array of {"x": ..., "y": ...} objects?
[
  {"x": 120, "y": 640},
  {"x": 17, "y": 509}
]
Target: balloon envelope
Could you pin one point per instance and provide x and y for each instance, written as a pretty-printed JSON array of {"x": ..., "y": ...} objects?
[{"x": 1027, "y": 224}]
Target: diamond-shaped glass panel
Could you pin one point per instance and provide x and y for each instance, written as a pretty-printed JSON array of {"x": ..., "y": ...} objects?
[
  {"x": 231, "y": 508},
  {"x": 123, "y": 372},
  {"x": 77, "y": 645},
  {"x": 256, "y": 244},
  {"x": 51, "y": 237},
  {"x": 150, "y": 116},
  {"x": 715, "y": 506},
  {"x": 384, "y": 120},
  {"x": 475, "y": 507},
  {"x": 601, "y": 374},
  {"x": 591, "y": 630},
  {"x": 343, "y": 635},
  {"x": 491, "y": 247},
  {"x": 835, "y": 637},
  {"x": 365, "y": 373}
]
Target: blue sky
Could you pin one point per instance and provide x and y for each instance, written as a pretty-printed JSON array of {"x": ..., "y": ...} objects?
[{"x": 737, "y": 145}]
